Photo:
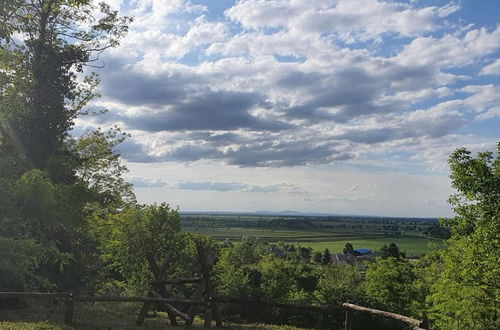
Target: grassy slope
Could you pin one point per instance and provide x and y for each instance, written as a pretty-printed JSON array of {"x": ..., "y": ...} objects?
[
  {"x": 98, "y": 316},
  {"x": 44, "y": 325}
]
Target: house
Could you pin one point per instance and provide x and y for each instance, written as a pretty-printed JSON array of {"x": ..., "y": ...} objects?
[
  {"x": 356, "y": 255},
  {"x": 362, "y": 252},
  {"x": 342, "y": 257}
]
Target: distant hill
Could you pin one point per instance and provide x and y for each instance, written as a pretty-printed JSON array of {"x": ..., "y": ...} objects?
[{"x": 264, "y": 213}]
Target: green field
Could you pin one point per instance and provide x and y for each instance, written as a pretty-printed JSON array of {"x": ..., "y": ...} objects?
[
  {"x": 411, "y": 243},
  {"x": 268, "y": 234},
  {"x": 412, "y": 246}
]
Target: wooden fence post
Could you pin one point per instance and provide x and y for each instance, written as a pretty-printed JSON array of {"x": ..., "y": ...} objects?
[
  {"x": 70, "y": 306},
  {"x": 215, "y": 313},
  {"x": 208, "y": 313},
  {"x": 348, "y": 319},
  {"x": 206, "y": 264},
  {"x": 142, "y": 314}
]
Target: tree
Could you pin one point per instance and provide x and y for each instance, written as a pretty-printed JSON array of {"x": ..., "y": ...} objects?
[
  {"x": 305, "y": 253},
  {"x": 137, "y": 242},
  {"x": 20, "y": 258},
  {"x": 391, "y": 251},
  {"x": 100, "y": 168},
  {"x": 45, "y": 197},
  {"x": 466, "y": 295},
  {"x": 389, "y": 286},
  {"x": 342, "y": 282},
  {"x": 317, "y": 257},
  {"x": 438, "y": 231},
  {"x": 61, "y": 37},
  {"x": 326, "y": 258},
  {"x": 8, "y": 9},
  {"x": 145, "y": 243},
  {"x": 277, "y": 277},
  {"x": 348, "y": 248}
]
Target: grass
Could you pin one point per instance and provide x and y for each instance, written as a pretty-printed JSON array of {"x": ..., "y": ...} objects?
[
  {"x": 43, "y": 325},
  {"x": 274, "y": 235},
  {"x": 413, "y": 246},
  {"x": 99, "y": 316}
]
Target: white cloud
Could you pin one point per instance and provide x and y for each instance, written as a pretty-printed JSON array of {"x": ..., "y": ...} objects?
[
  {"x": 255, "y": 14},
  {"x": 435, "y": 152},
  {"x": 351, "y": 20},
  {"x": 239, "y": 186},
  {"x": 200, "y": 33},
  {"x": 450, "y": 50},
  {"x": 484, "y": 98},
  {"x": 489, "y": 114},
  {"x": 492, "y": 68},
  {"x": 155, "y": 42},
  {"x": 285, "y": 85},
  {"x": 149, "y": 13},
  {"x": 333, "y": 85}
]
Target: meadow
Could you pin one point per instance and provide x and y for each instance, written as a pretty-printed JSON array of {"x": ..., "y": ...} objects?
[
  {"x": 99, "y": 316},
  {"x": 412, "y": 246}
]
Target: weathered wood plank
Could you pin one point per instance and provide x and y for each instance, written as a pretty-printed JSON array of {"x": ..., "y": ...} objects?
[
  {"x": 402, "y": 318},
  {"x": 33, "y": 294},
  {"x": 137, "y": 299}
]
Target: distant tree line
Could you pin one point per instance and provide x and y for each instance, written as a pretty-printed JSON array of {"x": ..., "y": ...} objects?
[{"x": 305, "y": 223}]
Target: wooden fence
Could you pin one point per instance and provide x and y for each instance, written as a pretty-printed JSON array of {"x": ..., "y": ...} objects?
[{"x": 208, "y": 303}]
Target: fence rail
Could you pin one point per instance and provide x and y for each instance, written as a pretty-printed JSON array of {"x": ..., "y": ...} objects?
[
  {"x": 70, "y": 299},
  {"x": 179, "y": 280},
  {"x": 417, "y": 324}
]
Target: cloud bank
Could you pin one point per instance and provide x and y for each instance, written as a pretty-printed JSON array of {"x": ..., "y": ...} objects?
[{"x": 284, "y": 83}]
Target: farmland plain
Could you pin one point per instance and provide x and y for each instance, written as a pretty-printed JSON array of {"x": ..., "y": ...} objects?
[{"x": 319, "y": 233}]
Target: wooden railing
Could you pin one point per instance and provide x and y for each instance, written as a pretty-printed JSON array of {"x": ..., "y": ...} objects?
[
  {"x": 417, "y": 324},
  {"x": 70, "y": 299}
]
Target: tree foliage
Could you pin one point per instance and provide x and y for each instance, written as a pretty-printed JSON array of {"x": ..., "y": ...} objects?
[
  {"x": 60, "y": 38},
  {"x": 144, "y": 243},
  {"x": 467, "y": 292},
  {"x": 317, "y": 257},
  {"x": 348, "y": 248},
  {"x": 326, "y": 257},
  {"x": 20, "y": 259},
  {"x": 389, "y": 285},
  {"x": 51, "y": 182},
  {"x": 390, "y": 251}
]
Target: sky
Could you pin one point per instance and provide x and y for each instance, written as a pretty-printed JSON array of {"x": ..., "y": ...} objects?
[{"x": 342, "y": 106}]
